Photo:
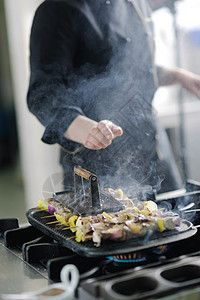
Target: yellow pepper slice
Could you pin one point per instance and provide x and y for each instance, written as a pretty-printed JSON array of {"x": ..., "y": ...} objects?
[
  {"x": 120, "y": 193},
  {"x": 61, "y": 219},
  {"x": 160, "y": 224},
  {"x": 107, "y": 215},
  {"x": 72, "y": 222},
  {"x": 79, "y": 235},
  {"x": 136, "y": 228},
  {"x": 43, "y": 204}
]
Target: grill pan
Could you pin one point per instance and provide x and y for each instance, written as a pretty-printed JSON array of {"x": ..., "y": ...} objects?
[{"x": 107, "y": 248}]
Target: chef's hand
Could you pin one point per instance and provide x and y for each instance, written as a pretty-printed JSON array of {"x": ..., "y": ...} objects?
[
  {"x": 101, "y": 135},
  {"x": 188, "y": 80},
  {"x": 93, "y": 135}
]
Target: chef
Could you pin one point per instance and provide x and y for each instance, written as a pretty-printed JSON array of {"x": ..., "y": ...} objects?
[{"x": 92, "y": 83}]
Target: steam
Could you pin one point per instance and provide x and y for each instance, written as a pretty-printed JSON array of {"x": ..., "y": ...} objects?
[
  {"x": 121, "y": 92},
  {"x": 116, "y": 95}
]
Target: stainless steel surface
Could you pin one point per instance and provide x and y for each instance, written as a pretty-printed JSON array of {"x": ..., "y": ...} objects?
[
  {"x": 192, "y": 294},
  {"x": 16, "y": 276},
  {"x": 171, "y": 194}
]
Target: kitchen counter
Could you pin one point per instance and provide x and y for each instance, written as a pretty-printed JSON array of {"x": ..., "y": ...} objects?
[{"x": 16, "y": 276}]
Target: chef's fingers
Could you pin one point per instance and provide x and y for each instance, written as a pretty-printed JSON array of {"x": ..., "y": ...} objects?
[
  {"x": 96, "y": 140},
  {"x": 117, "y": 130},
  {"x": 109, "y": 129},
  {"x": 91, "y": 146},
  {"x": 103, "y": 141},
  {"x": 104, "y": 127},
  {"x": 92, "y": 143},
  {"x": 101, "y": 135}
]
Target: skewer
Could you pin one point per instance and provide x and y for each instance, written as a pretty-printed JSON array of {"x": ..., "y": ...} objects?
[
  {"x": 89, "y": 236},
  {"x": 192, "y": 210},
  {"x": 52, "y": 222},
  {"x": 50, "y": 216},
  {"x": 66, "y": 228},
  {"x": 42, "y": 209},
  {"x": 71, "y": 237}
]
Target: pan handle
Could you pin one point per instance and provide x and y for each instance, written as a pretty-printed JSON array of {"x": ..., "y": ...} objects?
[
  {"x": 83, "y": 173},
  {"x": 94, "y": 189}
]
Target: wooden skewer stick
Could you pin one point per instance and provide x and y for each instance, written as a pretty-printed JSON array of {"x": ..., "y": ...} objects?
[
  {"x": 42, "y": 209},
  {"x": 52, "y": 222},
  {"x": 50, "y": 216},
  {"x": 66, "y": 228},
  {"x": 89, "y": 236},
  {"x": 71, "y": 237}
]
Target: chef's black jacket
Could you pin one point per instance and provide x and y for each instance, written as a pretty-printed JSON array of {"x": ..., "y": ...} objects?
[{"x": 95, "y": 58}]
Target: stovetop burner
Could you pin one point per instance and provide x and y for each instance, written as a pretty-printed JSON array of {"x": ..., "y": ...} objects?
[{"x": 129, "y": 257}]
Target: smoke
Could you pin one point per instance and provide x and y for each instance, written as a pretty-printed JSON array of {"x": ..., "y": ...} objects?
[
  {"x": 53, "y": 183},
  {"x": 116, "y": 95},
  {"x": 117, "y": 85}
]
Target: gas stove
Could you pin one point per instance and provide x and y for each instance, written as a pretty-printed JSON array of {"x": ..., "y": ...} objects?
[{"x": 31, "y": 260}]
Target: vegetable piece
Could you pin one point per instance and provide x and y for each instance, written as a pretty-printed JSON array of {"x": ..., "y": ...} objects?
[
  {"x": 160, "y": 224},
  {"x": 43, "y": 204},
  {"x": 170, "y": 223},
  {"x": 72, "y": 222},
  {"x": 150, "y": 205},
  {"x": 107, "y": 215},
  {"x": 79, "y": 235},
  {"x": 97, "y": 238},
  {"x": 120, "y": 193},
  {"x": 137, "y": 229},
  {"x": 51, "y": 209},
  {"x": 61, "y": 219}
]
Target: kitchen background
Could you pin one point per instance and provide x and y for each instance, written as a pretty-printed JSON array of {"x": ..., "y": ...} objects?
[{"x": 28, "y": 166}]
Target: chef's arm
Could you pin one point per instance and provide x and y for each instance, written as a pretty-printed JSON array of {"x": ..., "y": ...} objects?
[
  {"x": 53, "y": 43},
  {"x": 172, "y": 76},
  {"x": 93, "y": 135},
  {"x": 57, "y": 106}
]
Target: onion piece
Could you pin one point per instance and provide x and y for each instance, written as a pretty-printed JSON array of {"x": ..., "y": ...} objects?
[{"x": 51, "y": 209}]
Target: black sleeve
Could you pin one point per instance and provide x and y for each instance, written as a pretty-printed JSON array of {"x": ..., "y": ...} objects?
[{"x": 53, "y": 44}]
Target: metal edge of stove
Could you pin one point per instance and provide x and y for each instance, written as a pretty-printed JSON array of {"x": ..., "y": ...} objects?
[
  {"x": 24, "y": 277},
  {"x": 16, "y": 250},
  {"x": 149, "y": 283},
  {"x": 108, "y": 248}
]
